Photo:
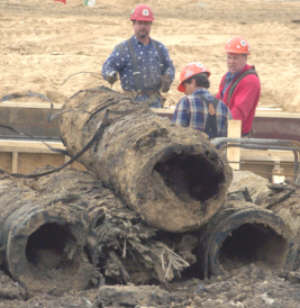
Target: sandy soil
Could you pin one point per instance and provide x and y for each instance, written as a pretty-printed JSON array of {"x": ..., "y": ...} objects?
[
  {"x": 43, "y": 43},
  {"x": 248, "y": 287}
]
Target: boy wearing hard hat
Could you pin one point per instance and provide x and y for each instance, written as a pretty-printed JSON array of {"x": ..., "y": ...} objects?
[{"x": 198, "y": 108}]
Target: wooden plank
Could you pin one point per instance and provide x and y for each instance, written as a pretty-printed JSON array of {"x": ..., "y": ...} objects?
[
  {"x": 276, "y": 114},
  {"x": 36, "y": 105},
  {"x": 265, "y": 169},
  {"x": 19, "y": 156},
  {"x": 29, "y": 162},
  {"x": 14, "y": 162},
  {"x": 32, "y": 118},
  {"x": 234, "y": 153},
  {"x": 24, "y": 146},
  {"x": 266, "y": 155},
  {"x": 29, "y": 155},
  {"x": 260, "y": 112},
  {"x": 39, "y": 147}
]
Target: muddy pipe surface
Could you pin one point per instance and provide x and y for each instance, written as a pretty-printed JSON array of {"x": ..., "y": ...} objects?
[
  {"x": 242, "y": 235},
  {"x": 171, "y": 176},
  {"x": 122, "y": 246},
  {"x": 42, "y": 240},
  {"x": 284, "y": 201}
]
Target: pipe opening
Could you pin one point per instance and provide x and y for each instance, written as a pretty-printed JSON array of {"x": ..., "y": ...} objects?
[
  {"x": 253, "y": 243},
  {"x": 52, "y": 246},
  {"x": 190, "y": 176}
]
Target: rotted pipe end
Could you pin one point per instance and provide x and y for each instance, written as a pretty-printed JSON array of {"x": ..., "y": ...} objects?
[
  {"x": 247, "y": 236},
  {"x": 44, "y": 252},
  {"x": 183, "y": 187}
]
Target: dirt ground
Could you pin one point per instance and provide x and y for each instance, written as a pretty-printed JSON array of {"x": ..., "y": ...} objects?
[
  {"x": 43, "y": 43},
  {"x": 247, "y": 287}
]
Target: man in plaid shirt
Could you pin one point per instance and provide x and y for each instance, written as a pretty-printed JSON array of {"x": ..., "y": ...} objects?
[{"x": 198, "y": 108}]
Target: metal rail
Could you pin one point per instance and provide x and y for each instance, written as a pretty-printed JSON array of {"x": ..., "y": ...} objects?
[{"x": 263, "y": 144}]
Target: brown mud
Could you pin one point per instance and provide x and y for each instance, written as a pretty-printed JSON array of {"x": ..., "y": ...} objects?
[
  {"x": 43, "y": 43},
  {"x": 244, "y": 282}
]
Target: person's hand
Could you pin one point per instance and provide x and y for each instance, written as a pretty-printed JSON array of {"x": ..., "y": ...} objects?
[
  {"x": 112, "y": 77},
  {"x": 165, "y": 83}
]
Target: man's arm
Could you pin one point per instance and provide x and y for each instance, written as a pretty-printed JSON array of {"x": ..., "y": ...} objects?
[
  {"x": 182, "y": 115},
  {"x": 168, "y": 67},
  {"x": 114, "y": 64},
  {"x": 168, "y": 70}
]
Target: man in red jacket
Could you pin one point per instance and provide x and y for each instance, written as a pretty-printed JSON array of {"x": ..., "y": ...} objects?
[{"x": 240, "y": 86}]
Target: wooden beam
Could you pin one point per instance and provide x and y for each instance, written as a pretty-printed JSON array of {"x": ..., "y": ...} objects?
[
  {"x": 25, "y": 156},
  {"x": 260, "y": 112},
  {"x": 24, "y": 146},
  {"x": 21, "y": 146},
  {"x": 234, "y": 153},
  {"x": 36, "y": 105},
  {"x": 266, "y": 155},
  {"x": 14, "y": 162},
  {"x": 32, "y": 118}
]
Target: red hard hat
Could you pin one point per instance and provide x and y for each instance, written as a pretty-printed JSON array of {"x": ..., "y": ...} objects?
[
  {"x": 189, "y": 71},
  {"x": 237, "y": 45},
  {"x": 142, "y": 12}
]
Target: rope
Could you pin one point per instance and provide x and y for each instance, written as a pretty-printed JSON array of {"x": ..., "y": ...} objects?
[
  {"x": 72, "y": 75},
  {"x": 24, "y": 94}
]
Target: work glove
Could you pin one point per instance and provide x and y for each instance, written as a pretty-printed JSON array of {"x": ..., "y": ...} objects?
[
  {"x": 112, "y": 77},
  {"x": 165, "y": 83}
]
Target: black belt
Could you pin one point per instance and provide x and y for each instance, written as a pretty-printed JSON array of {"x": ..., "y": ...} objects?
[{"x": 143, "y": 92}]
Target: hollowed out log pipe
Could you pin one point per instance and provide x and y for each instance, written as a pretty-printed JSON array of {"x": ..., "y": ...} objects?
[
  {"x": 42, "y": 244},
  {"x": 288, "y": 210},
  {"x": 172, "y": 176},
  {"x": 116, "y": 233},
  {"x": 240, "y": 236}
]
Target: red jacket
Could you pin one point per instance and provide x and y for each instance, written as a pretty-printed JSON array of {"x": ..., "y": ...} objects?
[{"x": 244, "y": 99}]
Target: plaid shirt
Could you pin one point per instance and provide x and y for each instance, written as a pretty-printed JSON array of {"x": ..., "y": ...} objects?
[{"x": 192, "y": 111}]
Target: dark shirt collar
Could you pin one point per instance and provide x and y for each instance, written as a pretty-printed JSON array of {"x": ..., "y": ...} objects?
[
  {"x": 200, "y": 91},
  {"x": 230, "y": 76},
  {"x": 137, "y": 42}
]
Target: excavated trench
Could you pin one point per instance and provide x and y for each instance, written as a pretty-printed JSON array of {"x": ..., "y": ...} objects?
[{"x": 190, "y": 176}]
